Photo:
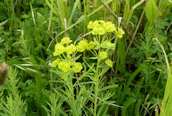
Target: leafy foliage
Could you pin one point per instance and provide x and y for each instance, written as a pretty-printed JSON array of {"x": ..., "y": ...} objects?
[{"x": 135, "y": 83}]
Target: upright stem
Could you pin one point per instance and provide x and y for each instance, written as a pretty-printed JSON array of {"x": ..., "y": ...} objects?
[
  {"x": 96, "y": 82},
  {"x": 96, "y": 95},
  {"x": 71, "y": 97}
]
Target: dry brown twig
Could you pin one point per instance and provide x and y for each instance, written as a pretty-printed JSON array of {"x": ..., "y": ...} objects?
[{"x": 3, "y": 73}]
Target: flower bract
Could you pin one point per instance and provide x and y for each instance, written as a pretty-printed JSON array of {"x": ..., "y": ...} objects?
[
  {"x": 110, "y": 45},
  {"x": 109, "y": 63},
  {"x": 98, "y": 31},
  {"x": 100, "y": 27},
  {"x": 120, "y": 32},
  {"x": 59, "y": 49},
  {"x": 64, "y": 66},
  {"x": 77, "y": 67},
  {"x": 109, "y": 27},
  {"x": 65, "y": 40},
  {"x": 103, "y": 55},
  {"x": 82, "y": 45},
  {"x": 55, "y": 62},
  {"x": 154, "y": 38},
  {"x": 70, "y": 49},
  {"x": 91, "y": 45}
]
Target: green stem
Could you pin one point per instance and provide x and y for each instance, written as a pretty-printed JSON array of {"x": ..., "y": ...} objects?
[
  {"x": 96, "y": 95},
  {"x": 96, "y": 82},
  {"x": 72, "y": 97}
]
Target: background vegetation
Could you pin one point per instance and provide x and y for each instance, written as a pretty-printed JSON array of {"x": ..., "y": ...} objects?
[{"x": 138, "y": 83}]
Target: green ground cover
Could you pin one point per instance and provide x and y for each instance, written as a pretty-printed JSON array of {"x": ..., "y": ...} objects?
[{"x": 86, "y": 57}]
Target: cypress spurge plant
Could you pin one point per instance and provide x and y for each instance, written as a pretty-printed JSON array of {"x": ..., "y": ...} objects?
[{"x": 82, "y": 67}]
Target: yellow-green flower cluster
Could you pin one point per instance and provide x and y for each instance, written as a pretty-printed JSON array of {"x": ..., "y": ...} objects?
[
  {"x": 120, "y": 32},
  {"x": 70, "y": 49},
  {"x": 85, "y": 45},
  {"x": 109, "y": 45},
  {"x": 91, "y": 45},
  {"x": 55, "y": 62},
  {"x": 65, "y": 47},
  {"x": 154, "y": 39},
  {"x": 109, "y": 63},
  {"x": 65, "y": 40},
  {"x": 104, "y": 55},
  {"x": 66, "y": 66},
  {"x": 77, "y": 67},
  {"x": 100, "y": 27},
  {"x": 59, "y": 49},
  {"x": 82, "y": 45}
]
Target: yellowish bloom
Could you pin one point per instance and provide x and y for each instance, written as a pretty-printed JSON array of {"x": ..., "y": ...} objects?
[
  {"x": 93, "y": 24},
  {"x": 96, "y": 23},
  {"x": 101, "y": 22},
  {"x": 98, "y": 30},
  {"x": 91, "y": 45},
  {"x": 80, "y": 48},
  {"x": 65, "y": 40},
  {"x": 82, "y": 45},
  {"x": 100, "y": 27},
  {"x": 64, "y": 66},
  {"x": 90, "y": 25},
  {"x": 154, "y": 39},
  {"x": 59, "y": 49},
  {"x": 70, "y": 49},
  {"x": 110, "y": 45},
  {"x": 103, "y": 55},
  {"x": 83, "y": 42},
  {"x": 120, "y": 32},
  {"x": 109, "y": 63},
  {"x": 77, "y": 67},
  {"x": 55, "y": 62},
  {"x": 109, "y": 27}
]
